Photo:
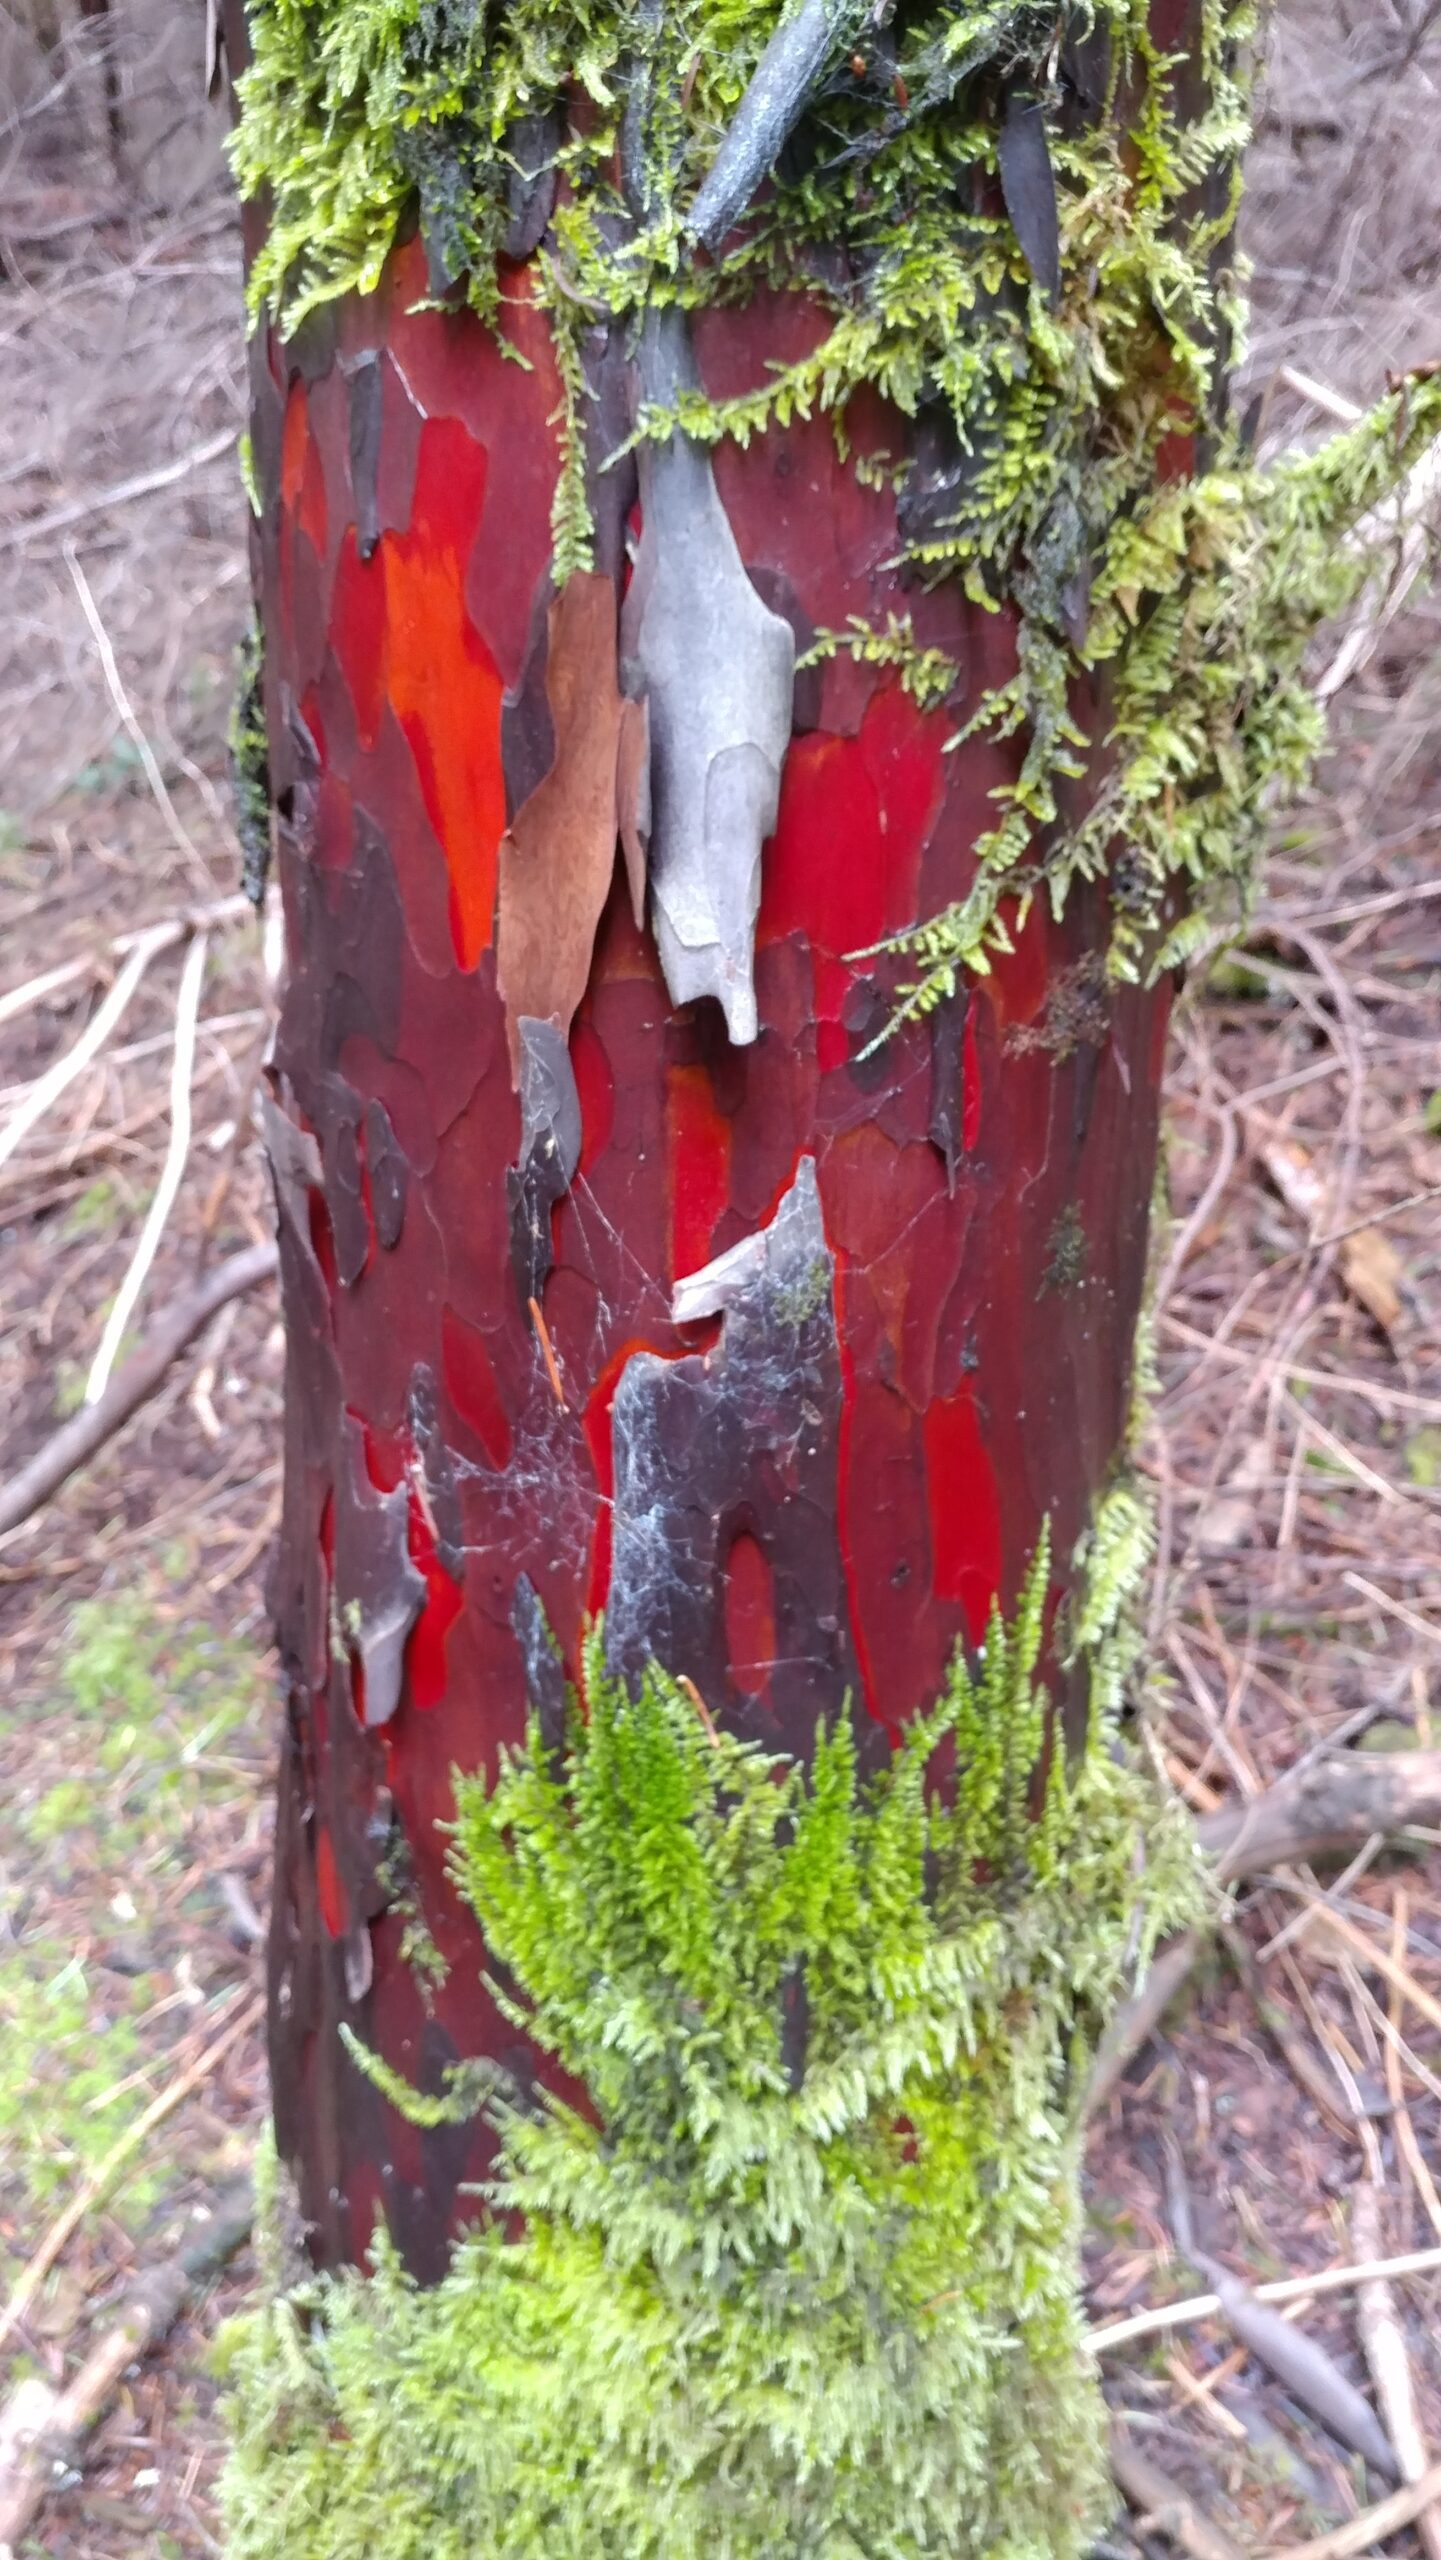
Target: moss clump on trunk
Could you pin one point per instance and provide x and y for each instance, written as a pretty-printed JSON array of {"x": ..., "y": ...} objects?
[
  {"x": 1018, "y": 220},
  {"x": 804, "y": 2279}
]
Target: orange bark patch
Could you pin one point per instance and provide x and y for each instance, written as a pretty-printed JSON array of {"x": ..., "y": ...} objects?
[{"x": 442, "y": 681}]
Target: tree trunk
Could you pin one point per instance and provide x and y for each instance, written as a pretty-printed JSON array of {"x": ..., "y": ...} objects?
[
  {"x": 764, "y": 679},
  {"x": 496, "y": 1425},
  {"x": 680, "y": 1228}
]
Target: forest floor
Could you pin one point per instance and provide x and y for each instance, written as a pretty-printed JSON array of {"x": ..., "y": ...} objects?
[{"x": 1296, "y": 1440}]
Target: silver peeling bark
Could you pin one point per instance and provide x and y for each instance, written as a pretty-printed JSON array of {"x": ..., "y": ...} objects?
[{"x": 717, "y": 669}]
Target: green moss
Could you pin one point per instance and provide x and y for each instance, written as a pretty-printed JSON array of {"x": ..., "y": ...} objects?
[
  {"x": 804, "y": 2279},
  {"x": 395, "y": 1877},
  {"x": 1188, "y": 609},
  {"x": 929, "y": 676},
  {"x": 1206, "y": 599}
]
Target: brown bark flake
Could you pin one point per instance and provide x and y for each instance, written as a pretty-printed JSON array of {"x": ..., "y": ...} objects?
[{"x": 557, "y": 857}]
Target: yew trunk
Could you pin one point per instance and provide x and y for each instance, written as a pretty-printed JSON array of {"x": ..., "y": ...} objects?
[{"x": 524, "y": 1385}]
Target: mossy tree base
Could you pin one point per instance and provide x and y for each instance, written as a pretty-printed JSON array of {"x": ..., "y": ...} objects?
[{"x": 798, "y": 2267}]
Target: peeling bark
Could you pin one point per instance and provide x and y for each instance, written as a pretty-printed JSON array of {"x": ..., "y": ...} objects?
[
  {"x": 558, "y": 854},
  {"x": 717, "y": 670},
  {"x": 711, "y": 1447}
]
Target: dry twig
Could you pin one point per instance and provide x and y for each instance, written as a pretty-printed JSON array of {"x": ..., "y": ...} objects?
[
  {"x": 78, "y": 1439},
  {"x": 187, "y": 1010},
  {"x": 1389, "y": 2364},
  {"x": 131, "y": 724},
  {"x": 46, "y": 2441},
  {"x": 1164, "y": 2503},
  {"x": 69, "y": 973},
  {"x": 1206, "y": 2306},
  {"x": 1404, "y": 2129},
  {"x": 102, "y": 2178},
  {"x": 140, "y": 485},
  {"x": 47, "y": 1089},
  {"x": 1377, "y": 1957},
  {"x": 1135, "y": 2024},
  {"x": 1377, "y": 2524}
]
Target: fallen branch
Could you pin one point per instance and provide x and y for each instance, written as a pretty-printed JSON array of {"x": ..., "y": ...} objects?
[
  {"x": 1165, "y": 2505},
  {"x": 98, "y": 2184},
  {"x": 1335, "y": 1804},
  {"x": 127, "y": 1296},
  {"x": 1331, "y": 1804},
  {"x": 44, "y": 2443},
  {"x": 78, "y": 1439},
  {"x": 1206, "y": 2306},
  {"x": 1377, "y": 2524}
]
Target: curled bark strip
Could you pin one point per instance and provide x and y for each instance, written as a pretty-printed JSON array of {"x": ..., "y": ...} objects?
[
  {"x": 364, "y": 394},
  {"x": 79, "y": 1438},
  {"x": 632, "y": 791},
  {"x": 1028, "y": 184},
  {"x": 697, "y": 1443},
  {"x": 534, "y": 142},
  {"x": 550, "y": 1144},
  {"x": 1334, "y": 1805},
  {"x": 379, "y": 1590}
]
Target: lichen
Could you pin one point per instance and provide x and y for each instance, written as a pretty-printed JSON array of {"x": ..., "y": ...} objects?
[
  {"x": 803, "y": 2277},
  {"x": 1068, "y": 1251}
]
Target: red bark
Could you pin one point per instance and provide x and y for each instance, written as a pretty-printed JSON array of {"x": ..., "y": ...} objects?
[{"x": 983, "y": 1181}]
